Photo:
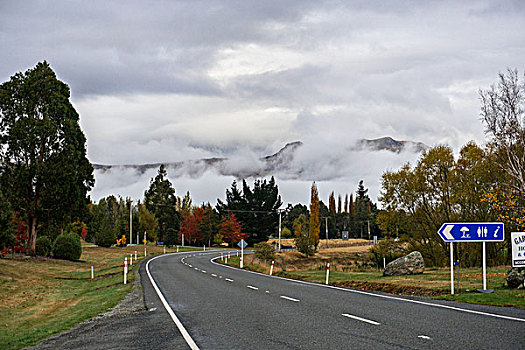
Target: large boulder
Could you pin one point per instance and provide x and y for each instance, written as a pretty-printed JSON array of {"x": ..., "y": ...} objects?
[
  {"x": 516, "y": 277},
  {"x": 411, "y": 264}
]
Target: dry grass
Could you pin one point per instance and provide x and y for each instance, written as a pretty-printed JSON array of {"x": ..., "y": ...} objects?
[{"x": 42, "y": 296}]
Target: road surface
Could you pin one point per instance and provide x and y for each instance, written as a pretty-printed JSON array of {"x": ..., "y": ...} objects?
[{"x": 211, "y": 306}]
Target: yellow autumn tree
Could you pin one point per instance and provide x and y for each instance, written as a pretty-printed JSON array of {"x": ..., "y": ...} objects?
[{"x": 314, "y": 227}]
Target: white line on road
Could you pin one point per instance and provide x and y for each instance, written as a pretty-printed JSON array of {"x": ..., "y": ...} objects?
[
  {"x": 196, "y": 268},
  {"x": 424, "y": 337},
  {"x": 178, "y": 323},
  {"x": 203, "y": 271},
  {"x": 190, "y": 266},
  {"x": 227, "y": 279},
  {"x": 362, "y": 319},
  {"x": 288, "y": 298},
  {"x": 214, "y": 275},
  {"x": 391, "y": 297},
  {"x": 252, "y": 287}
]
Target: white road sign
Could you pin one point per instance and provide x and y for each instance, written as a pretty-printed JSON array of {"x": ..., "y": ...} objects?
[{"x": 518, "y": 249}]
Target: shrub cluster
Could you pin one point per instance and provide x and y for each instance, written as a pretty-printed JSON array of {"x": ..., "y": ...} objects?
[
  {"x": 43, "y": 246},
  {"x": 264, "y": 251},
  {"x": 67, "y": 246}
]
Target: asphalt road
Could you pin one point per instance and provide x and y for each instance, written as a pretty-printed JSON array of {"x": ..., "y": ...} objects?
[{"x": 224, "y": 308}]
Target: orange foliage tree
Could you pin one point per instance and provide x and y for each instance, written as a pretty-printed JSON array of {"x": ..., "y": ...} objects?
[{"x": 231, "y": 230}]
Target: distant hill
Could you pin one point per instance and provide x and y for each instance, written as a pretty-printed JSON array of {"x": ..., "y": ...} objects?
[
  {"x": 389, "y": 144},
  {"x": 280, "y": 161}
]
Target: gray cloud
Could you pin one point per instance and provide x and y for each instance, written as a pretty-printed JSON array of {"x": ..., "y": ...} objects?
[{"x": 177, "y": 80}]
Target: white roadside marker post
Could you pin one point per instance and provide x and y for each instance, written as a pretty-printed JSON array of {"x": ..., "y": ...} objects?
[
  {"x": 242, "y": 256},
  {"x": 164, "y": 249},
  {"x": 177, "y": 249},
  {"x": 130, "y": 259},
  {"x": 125, "y": 269},
  {"x": 271, "y": 269},
  {"x": 384, "y": 263},
  {"x": 226, "y": 260},
  {"x": 92, "y": 273},
  {"x": 135, "y": 255},
  {"x": 327, "y": 272},
  {"x": 222, "y": 256},
  {"x": 145, "y": 253},
  {"x": 205, "y": 247}
]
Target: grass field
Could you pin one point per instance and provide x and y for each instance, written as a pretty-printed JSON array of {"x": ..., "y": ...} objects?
[
  {"x": 346, "y": 270},
  {"x": 41, "y": 296}
]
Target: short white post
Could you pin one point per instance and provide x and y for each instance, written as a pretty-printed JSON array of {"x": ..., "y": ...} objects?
[
  {"x": 125, "y": 269},
  {"x": 131, "y": 260},
  {"x": 484, "y": 267},
  {"x": 242, "y": 256},
  {"x": 451, "y": 268},
  {"x": 205, "y": 247},
  {"x": 384, "y": 263},
  {"x": 236, "y": 253},
  {"x": 145, "y": 253},
  {"x": 164, "y": 249},
  {"x": 92, "y": 273},
  {"x": 226, "y": 260},
  {"x": 135, "y": 255},
  {"x": 222, "y": 256},
  {"x": 271, "y": 269},
  {"x": 177, "y": 249},
  {"x": 229, "y": 256},
  {"x": 327, "y": 272}
]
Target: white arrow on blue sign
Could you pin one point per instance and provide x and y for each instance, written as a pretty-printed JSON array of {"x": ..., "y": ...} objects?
[
  {"x": 242, "y": 244},
  {"x": 472, "y": 232}
]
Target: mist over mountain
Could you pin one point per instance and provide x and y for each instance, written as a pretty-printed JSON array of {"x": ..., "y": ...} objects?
[
  {"x": 281, "y": 162},
  {"x": 334, "y": 167}
]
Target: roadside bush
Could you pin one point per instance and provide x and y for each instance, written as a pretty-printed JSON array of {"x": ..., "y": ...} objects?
[
  {"x": 43, "y": 246},
  {"x": 105, "y": 237},
  {"x": 389, "y": 249},
  {"x": 67, "y": 246},
  {"x": 264, "y": 251}
]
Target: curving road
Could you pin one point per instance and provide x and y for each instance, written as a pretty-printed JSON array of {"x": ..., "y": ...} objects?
[
  {"x": 193, "y": 302},
  {"x": 225, "y": 308}
]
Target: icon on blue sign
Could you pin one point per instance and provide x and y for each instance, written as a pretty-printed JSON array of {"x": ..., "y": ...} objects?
[{"x": 472, "y": 231}]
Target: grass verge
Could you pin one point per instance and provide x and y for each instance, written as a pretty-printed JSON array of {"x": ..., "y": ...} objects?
[
  {"x": 433, "y": 283},
  {"x": 42, "y": 297}
]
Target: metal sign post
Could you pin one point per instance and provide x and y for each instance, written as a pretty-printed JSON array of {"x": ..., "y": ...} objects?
[{"x": 471, "y": 232}]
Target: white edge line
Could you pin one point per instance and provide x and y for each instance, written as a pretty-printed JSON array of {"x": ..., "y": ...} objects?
[
  {"x": 178, "y": 323},
  {"x": 362, "y": 319},
  {"x": 227, "y": 279},
  {"x": 252, "y": 287},
  {"x": 289, "y": 298},
  {"x": 377, "y": 295}
]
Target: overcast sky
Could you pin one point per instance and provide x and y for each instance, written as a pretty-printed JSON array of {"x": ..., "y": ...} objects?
[{"x": 162, "y": 81}]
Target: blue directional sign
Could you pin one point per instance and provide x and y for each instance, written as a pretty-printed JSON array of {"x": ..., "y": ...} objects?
[
  {"x": 472, "y": 232},
  {"x": 242, "y": 244}
]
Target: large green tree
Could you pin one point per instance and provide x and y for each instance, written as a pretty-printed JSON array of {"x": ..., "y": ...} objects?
[
  {"x": 256, "y": 209},
  {"x": 160, "y": 199},
  {"x": 44, "y": 169}
]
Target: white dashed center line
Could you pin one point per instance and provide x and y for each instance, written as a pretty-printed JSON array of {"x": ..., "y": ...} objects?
[
  {"x": 289, "y": 298},
  {"x": 424, "y": 337},
  {"x": 252, "y": 287},
  {"x": 214, "y": 275},
  {"x": 227, "y": 279},
  {"x": 362, "y": 319}
]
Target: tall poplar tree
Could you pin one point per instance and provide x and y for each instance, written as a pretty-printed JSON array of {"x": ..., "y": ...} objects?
[
  {"x": 44, "y": 168},
  {"x": 314, "y": 227}
]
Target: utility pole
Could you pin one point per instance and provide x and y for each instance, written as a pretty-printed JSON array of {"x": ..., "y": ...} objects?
[
  {"x": 131, "y": 223},
  {"x": 279, "y": 230}
]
